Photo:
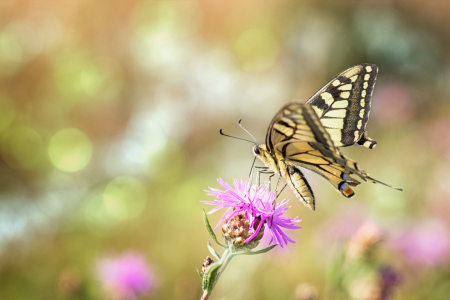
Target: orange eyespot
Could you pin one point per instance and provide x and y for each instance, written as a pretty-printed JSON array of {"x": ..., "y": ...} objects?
[{"x": 346, "y": 190}]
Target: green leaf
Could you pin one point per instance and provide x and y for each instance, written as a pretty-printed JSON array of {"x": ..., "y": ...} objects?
[
  {"x": 212, "y": 251},
  {"x": 199, "y": 274},
  {"x": 210, "y": 230},
  {"x": 209, "y": 276},
  {"x": 256, "y": 252}
]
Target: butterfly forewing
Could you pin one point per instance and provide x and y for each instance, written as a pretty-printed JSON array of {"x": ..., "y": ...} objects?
[
  {"x": 297, "y": 121},
  {"x": 343, "y": 105}
]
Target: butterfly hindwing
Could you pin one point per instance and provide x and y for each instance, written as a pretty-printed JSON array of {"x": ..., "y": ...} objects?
[
  {"x": 299, "y": 139},
  {"x": 343, "y": 105},
  {"x": 367, "y": 142}
]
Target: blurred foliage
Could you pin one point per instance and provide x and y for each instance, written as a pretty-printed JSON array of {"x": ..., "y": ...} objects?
[{"x": 109, "y": 120}]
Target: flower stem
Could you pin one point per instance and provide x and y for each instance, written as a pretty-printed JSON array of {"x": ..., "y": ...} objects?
[{"x": 224, "y": 261}]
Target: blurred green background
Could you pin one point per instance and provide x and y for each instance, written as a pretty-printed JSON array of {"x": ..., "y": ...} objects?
[{"x": 109, "y": 133}]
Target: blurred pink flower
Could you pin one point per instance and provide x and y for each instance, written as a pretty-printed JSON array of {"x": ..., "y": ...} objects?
[
  {"x": 426, "y": 244},
  {"x": 392, "y": 104},
  {"x": 438, "y": 200},
  {"x": 125, "y": 277},
  {"x": 361, "y": 244},
  {"x": 437, "y": 134}
]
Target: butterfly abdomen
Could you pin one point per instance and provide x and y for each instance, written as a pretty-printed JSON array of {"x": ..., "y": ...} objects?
[{"x": 298, "y": 184}]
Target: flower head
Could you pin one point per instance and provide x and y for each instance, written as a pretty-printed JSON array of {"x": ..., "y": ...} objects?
[
  {"x": 206, "y": 263},
  {"x": 125, "y": 277},
  {"x": 256, "y": 204},
  {"x": 426, "y": 244},
  {"x": 237, "y": 231},
  {"x": 390, "y": 278},
  {"x": 364, "y": 241}
]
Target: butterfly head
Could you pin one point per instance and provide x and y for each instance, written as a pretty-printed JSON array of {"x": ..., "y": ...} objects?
[
  {"x": 261, "y": 152},
  {"x": 256, "y": 151}
]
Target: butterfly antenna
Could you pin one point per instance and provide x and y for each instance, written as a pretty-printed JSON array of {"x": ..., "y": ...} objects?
[
  {"x": 236, "y": 137},
  {"x": 239, "y": 123}
]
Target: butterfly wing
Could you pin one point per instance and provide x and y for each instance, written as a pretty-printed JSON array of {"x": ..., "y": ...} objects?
[
  {"x": 296, "y": 137},
  {"x": 296, "y": 122},
  {"x": 343, "y": 105}
]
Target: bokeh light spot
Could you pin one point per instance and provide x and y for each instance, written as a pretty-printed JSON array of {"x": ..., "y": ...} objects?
[
  {"x": 81, "y": 77},
  {"x": 22, "y": 147},
  {"x": 125, "y": 197},
  {"x": 256, "y": 50},
  {"x": 180, "y": 19},
  {"x": 70, "y": 150},
  {"x": 160, "y": 27},
  {"x": 20, "y": 41}
]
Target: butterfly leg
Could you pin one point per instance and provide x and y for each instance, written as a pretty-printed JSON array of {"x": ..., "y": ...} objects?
[
  {"x": 278, "y": 182},
  {"x": 270, "y": 185},
  {"x": 274, "y": 203},
  {"x": 276, "y": 192},
  {"x": 251, "y": 172},
  {"x": 262, "y": 170},
  {"x": 265, "y": 172},
  {"x": 282, "y": 190},
  {"x": 270, "y": 180},
  {"x": 258, "y": 178}
]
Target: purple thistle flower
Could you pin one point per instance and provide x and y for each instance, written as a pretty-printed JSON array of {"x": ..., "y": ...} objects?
[
  {"x": 125, "y": 277},
  {"x": 426, "y": 244},
  {"x": 258, "y": 204},
  {"x": 390, "y": 278}
]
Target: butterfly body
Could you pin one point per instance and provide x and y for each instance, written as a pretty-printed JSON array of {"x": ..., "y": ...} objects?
[
  {"x": 291, "y": 174},
  {"x": 308, "y": 135}
]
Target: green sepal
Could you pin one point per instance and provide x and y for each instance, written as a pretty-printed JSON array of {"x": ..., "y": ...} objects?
[
  {"x": 213, "y": 252},
  {"x": 199, "y": 274},
  {"x": 209, "y": 276},
  {"x": 210, "y": 230},
  {"x": 256, "y": 252}
]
